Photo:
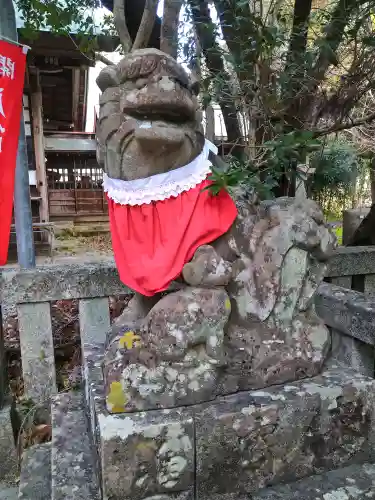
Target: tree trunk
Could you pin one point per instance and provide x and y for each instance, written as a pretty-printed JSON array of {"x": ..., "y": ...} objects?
[
  {"x": 169, "y": 30},
  {"x": 295, "y": 60},
  {"x": 238, "y": 31},
  {"x": 133, "y": 11},
  {"x": 333, "y": 35},
  {"x": 205, "y": 30}
]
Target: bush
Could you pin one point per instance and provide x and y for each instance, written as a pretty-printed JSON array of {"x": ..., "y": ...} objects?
[{"x": 337, "y": 166}]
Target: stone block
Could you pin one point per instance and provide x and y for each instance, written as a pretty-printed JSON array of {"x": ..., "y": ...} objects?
[
  {"x": 147, "y": 454},
  {"x": 350, "y": 261},
  {"x": 94, "y": 320},
  {"x": 369, "y": 284},
  {"x": 35, "y": 481},
  {"x": 73, "y": 281},
  {"x": 251, "y": 440},
  {"x": 118, "y": 477},
  {"x": 350, "y": 483},
  {"x": 38, "y": 359},
  {"x": 73, "y": 458},
  {"x": 355, "y": 482},
  {"x": 353, "y": 353},
  {"x": 348, "y": 311}
]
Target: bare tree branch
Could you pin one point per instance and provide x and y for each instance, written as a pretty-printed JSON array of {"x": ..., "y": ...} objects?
[
  {"x": 345, "y": 126},
  {"x": 147, "y": 24},
  {"x": 169, "y": 30},
  {"x": 334, "y": 33},
  {"x": 103, "y": 59},
  {"x": 120, "y": 24}
]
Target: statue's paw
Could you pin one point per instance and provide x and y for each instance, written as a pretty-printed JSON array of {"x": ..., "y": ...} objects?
[
  {"x": 207, "y": 268},
  {"x": 137, "y": 309}
]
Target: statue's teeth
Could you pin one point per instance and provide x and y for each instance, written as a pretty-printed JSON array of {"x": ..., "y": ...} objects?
[{"x": 145, "y": 125}]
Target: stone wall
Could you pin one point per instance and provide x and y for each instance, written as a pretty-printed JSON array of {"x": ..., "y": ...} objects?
[{"x": 350, "y": 315}]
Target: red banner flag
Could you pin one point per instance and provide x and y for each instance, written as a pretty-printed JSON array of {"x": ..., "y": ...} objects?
[{"x": 12, "y": 75}]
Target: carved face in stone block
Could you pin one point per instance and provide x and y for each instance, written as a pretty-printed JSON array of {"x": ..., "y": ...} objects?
[{"x": 149, "y": 120}]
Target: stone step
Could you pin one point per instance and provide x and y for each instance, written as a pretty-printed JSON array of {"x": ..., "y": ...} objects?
[
  {"x": 74, "y": 474},
  {"x": 35, "y": 480},
  {"x": 282, "y": 434},
  {"x": 356, "y": 482}
]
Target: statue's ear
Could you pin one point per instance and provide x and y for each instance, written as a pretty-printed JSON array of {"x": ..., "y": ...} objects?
[
  {"x": 218, "y": 162},
  {"x": 108, "y": 77}
]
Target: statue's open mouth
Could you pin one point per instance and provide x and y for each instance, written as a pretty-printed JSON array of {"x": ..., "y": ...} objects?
[
  {"x": 153, "y": 103},
  {"x": 158, "y": 113}
]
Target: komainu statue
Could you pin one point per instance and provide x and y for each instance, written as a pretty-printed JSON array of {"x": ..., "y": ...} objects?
[{"x": 223, "y": 287}]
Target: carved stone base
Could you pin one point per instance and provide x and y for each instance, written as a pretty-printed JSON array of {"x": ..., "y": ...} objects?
[
  {"x": 234, "y": 446},
  {"x": 185, "y": 353}
]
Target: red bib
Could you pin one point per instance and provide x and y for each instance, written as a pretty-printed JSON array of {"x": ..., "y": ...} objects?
[
  {"x": 153, "y": 242},
  {"x": 158, "y": 223}
]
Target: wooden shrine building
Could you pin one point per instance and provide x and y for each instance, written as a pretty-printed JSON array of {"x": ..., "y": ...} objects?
[{"x": 65, "y": 180}]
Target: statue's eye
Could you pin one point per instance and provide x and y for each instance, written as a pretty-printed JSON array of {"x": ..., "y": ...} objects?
[
  {"x": 132, "y": 69},
  {"x": 149, "y": 64},
  {"x": 140, "y": 67}
]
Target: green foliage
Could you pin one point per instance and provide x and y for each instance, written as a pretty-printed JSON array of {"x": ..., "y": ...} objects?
[
  {"x": 64, "y": 17},
  {"x": 289, "y": 149},
  {"x": 336, "y": 167},
  {"x": 279, "y": 156},
  {"x": 240, "y": 174},
  {"x": 294, "y": 71},
  {"x": 226, "y": 179},
  {"x": 338, "y": 233}
]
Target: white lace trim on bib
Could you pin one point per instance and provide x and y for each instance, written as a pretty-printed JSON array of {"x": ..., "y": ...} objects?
[{"x": 160, "y": 186}]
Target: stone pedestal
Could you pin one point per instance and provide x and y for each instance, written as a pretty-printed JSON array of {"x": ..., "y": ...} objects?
[{"x": 236, "y": 446}]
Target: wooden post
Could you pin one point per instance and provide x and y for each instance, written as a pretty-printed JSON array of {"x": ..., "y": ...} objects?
[
  {"x": 38, "y": 137},
  {"x": 76, "y": 76},
  {"x": 85, "y": 96}
]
